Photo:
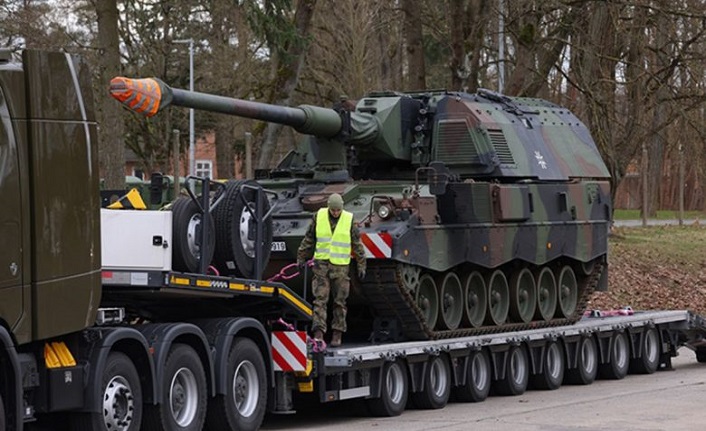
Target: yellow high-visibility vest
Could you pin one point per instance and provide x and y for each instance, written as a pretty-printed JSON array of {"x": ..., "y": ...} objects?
[{"x": 336, "y": 247}]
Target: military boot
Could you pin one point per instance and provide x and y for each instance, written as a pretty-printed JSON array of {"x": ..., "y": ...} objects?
[
  {"x": 318, "y": 335},
  {"x": 336, "y": 338}
]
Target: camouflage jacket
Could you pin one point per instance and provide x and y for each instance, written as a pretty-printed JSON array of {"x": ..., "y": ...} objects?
[{"x": 306, "y": 248}]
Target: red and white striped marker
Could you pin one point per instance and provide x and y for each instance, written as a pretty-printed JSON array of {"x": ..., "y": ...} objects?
[
  {"x": 377, "y": 245},
  {"x": 289, "y": 350}
]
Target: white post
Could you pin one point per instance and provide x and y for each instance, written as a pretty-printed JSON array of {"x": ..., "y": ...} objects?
[{"x": 192, "y": 146}]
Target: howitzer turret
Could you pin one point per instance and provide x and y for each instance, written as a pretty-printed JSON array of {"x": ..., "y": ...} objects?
[{"x": 479, "y": 212}]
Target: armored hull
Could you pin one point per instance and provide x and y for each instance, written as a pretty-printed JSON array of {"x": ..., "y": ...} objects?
[{"x": 479, "y": 212}]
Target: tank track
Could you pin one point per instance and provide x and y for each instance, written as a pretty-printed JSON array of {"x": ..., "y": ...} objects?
[{"x": 389, "y": 299}]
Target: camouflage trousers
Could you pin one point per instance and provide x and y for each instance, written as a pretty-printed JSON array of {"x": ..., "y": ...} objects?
[{"x": 327, "y": 276}]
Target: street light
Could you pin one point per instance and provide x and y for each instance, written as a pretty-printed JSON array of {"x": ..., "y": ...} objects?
[{"x": 192, "y": 151}]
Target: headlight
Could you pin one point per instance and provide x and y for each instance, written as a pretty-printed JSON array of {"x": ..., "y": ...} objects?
[{"x": 384, "y": 212}]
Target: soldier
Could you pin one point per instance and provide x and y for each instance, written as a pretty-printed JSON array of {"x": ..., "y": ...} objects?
[{"x": 334, "y": 233}]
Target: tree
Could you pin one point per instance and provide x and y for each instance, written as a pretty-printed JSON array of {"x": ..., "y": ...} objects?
[
  {"x": 288, "y": 61},
  {"x": 111, "y": 145}
]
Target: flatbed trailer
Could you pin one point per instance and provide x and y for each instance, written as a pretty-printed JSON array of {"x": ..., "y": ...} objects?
[
  {"x": 386, "y": 375},
  {"x": 509, "y": 363}
]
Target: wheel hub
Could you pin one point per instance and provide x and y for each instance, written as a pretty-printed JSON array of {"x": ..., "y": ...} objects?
[{"x": 118, "y": 404}]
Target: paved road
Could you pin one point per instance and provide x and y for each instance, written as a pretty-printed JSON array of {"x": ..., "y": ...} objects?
[
  {"x": 666, "y": 400},
  {"x": 638, "y": 223}
]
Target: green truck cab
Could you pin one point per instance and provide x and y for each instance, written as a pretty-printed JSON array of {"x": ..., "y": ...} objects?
[{"x": 49, "y": 223}]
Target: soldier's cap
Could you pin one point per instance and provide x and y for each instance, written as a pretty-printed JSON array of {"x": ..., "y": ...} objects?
[{"x": 335, "y": 202}]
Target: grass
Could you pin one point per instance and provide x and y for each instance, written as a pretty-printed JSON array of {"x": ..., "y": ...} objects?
[
  {"x": 656, "y": 268},
  {"x": 661, "y": 215},
  {"x": 683, "y": 245}
]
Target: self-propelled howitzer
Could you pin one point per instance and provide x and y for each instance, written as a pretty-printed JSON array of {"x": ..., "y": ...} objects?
[{"x": 479, "y": 212}]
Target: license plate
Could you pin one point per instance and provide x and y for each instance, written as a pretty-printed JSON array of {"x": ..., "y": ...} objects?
[{"x": 279, "y": 246}]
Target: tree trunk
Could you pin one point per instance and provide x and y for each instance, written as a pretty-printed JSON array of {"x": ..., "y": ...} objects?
[
  {"x": 111, "y": 147},
  {"x": 415, "y": 46},
  {"x": 287, "y": 76}
]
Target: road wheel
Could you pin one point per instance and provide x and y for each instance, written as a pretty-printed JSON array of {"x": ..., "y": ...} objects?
[
  {"x": 236, "y": 248},
  {"x": 648, "y": 361},
  {"x": 498, "y": 298},
  {"x": 243, "y": 406},
  {"x": 451, "y": 301},
  {"x": 546, "y": 294},
  {"x": 184, "y": 393},
  {"x": 617, "y": 368},
  {"x": 186, "y": 236},
  {"x": 568, "y": 291},
  {"x": 122, "y": 398},
  {"x": 437, "y": 385},
  {"x": 428, "y": 300},
  {"x": 393, "y": 393},
  {"x": 478, "y": 378},
  {"x": 553, "y": 367},
  {"x": 516, "y": 373},
  {"x": 475, "y": 300},
  {"x": 523, "y": 296}
]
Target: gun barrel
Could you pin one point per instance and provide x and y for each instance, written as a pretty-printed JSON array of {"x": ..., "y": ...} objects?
[{"x": 151, "y": 95}]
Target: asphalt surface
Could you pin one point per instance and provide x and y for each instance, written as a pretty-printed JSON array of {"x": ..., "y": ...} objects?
[
  {"x": 666, "y": 400},
  {"x": 638, "y": 223}
]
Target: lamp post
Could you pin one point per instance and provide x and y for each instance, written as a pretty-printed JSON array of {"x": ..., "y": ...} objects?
[{"x": 192, "y": 150}]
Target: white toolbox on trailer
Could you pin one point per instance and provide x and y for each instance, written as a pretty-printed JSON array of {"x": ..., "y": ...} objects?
[{"x": 136, "y": 239}]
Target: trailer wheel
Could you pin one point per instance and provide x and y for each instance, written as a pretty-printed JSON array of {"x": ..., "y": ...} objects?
[
  {"x": 236, "y": 248},
  {"x": 586, "y": 363},
  {"x": 648, "y": 361},
  {"x": 186, "y": 236},
  {"x": 2, "y": 415},
  {"x": 393, "y": 393},
  {"x": 516, "y": 373},
  {"x": 184, "y": 393},
  {"x": 437, "y": 385},
  {"x": 243, "y": 406},
  {"x": 122, "y": 398},
  {"x": 478, "y": 377},
  {"x": 617, "y": 368},
  {"x": 553, "y": 368},
  {"x": 701, "y": 355}
]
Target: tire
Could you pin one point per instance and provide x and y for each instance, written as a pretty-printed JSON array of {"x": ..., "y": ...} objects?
[
  {"x": 437, "y": 385},
  {"x": 186, "y": 228},
  {"x": 2, "y": 415},
  {"x": 244, "y": 404},
  {"x": 553, "y": 368},
  {"x": 393, "y": 392},
  {"x": 701, "y": 355},
  {"x": 184, "y": 393},
  {"x": 121, "y": 393},
  {"x": 236, "y": 250},
  {"x": 648, "y": 361},
  {"x": 478, "y": 378},
  {"x": 586, "y": 363},
  {"x": 516, "y": 373},
  {"x": 619, "y": 363}
]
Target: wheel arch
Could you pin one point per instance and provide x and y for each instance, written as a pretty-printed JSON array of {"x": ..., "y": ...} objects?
[
  {"x": 125, "y": 340},
  {"x": 10, "y": 386}
]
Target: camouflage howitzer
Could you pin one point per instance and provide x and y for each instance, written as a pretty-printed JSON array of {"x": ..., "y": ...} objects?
[{"x": 479, "y": 212}]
